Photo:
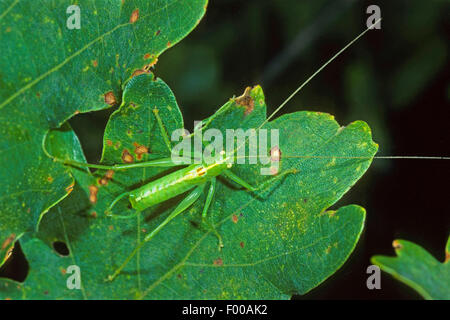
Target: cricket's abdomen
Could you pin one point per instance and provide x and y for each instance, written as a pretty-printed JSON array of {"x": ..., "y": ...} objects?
[{"x": 170, "y": 186}]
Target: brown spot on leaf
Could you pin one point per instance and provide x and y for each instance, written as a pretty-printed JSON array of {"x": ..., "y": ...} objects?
[
  {"x": 246, "y": 101},
  {"x": 396, "y": 245},
  {"x": 94, "y": 214},
  {"x": 127, "y": 157},
  {"x": 168, "y": 44},
  {"x": 69, "y": 189},
  {"x": 93, "y": 190},
  {"x": 140, "y": 150},
  {"x": 148, "y": 66},
  {"x": 241, "y": 244},
  {"x": 234, "y": 218},
  {"x": 179, "y": 276},
  {"x": 50, "y": 179},
  {"x": 8, "y": 241},
  {"x": 139, "y": 72},
  {"x": 157, "y": 32},
  {"x": 63, "y": 271},
  {"x": 218, "y": 262},
  {"x": 274, "y": 171},
  {"x": 105, "y": 179},
  {"x": 134, "y": 16},
  {"x": 111, "y": 228},
  {"x": 275, "y": 154},
  {"x": 38, "y": 94},
  {"x": 94, "y": 63},
  {"x": 109, "y": 143},
  {"x": 109, "y": 174},
  {"x": 147, "y": 56},
  {"x": 110, "y": 98},
  {"x": 447, "y": 256}
]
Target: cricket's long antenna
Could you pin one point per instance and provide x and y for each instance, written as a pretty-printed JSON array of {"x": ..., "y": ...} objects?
[
  {"x": 161, "y": 162},
  {"x": 317, "y": 72},
  {"x": 375, "y": 157},
  {"x": 309, "y": 79},
  {"x": 413, "y": 157},
  {"x": 361, "y": 157}
]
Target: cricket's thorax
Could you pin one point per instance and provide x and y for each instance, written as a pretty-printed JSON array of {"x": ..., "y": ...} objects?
[{"x": 174, "y": 184}]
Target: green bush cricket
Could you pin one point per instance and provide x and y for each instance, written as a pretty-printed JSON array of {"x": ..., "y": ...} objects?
[{"x": 193, "y": 178}]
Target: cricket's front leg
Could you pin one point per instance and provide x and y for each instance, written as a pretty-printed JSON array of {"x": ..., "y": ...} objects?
[{"x": 182, "y": 206}]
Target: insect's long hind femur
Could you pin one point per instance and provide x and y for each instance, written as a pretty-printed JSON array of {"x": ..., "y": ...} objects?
[{"x": 108, "y": 211}]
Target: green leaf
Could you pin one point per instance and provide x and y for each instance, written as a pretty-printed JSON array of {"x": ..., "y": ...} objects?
[
  {"x": 418, "y": 269},
  {"x": 282, "y": 242},
  {"x": 48, "y": 73}
]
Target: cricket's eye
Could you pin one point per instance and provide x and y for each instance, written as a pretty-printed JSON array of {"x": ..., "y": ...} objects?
[{"x": 201, "y": 171}]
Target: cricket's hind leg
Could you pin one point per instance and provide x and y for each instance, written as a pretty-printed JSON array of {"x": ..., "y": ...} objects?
[
  {"x": 233, "y": 177},
  {"x": 209, "y": 197},
  {"x": 109, "y": 213}
]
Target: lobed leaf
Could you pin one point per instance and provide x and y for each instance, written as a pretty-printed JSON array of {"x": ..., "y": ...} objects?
[
  {"x": 281, "y": 242},
  {"x": 49, "y": 73},
  {"x": 418, "y": 269}
]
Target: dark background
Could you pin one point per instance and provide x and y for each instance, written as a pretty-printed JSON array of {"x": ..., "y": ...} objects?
[{"x": 396, "y": 79}]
